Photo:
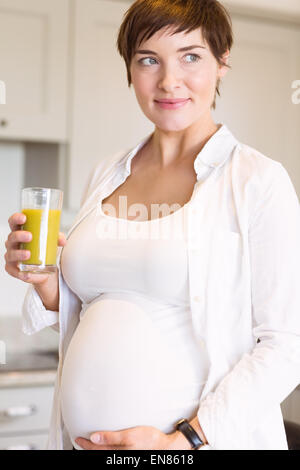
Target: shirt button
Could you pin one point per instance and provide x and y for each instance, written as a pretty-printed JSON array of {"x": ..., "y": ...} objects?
[{"x": 197, "y": 299}]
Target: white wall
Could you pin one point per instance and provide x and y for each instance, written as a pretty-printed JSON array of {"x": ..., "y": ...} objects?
[
  {"x": 11, "y": 180},
  {"x": 284, "y": 8},
  {"x": 290, "y": 9}
]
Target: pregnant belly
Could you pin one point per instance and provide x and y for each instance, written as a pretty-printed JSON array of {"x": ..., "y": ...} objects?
[{"x": 119, "y": 373}]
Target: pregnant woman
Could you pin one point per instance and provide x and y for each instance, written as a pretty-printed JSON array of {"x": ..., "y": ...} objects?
[{"x": 176, "y": 296}]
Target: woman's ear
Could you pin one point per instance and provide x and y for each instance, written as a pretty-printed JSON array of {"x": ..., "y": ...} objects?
[{"x": 223, "y": 66}]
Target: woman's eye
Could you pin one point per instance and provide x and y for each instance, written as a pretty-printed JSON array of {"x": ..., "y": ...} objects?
[
  {"x": 146, "y": 58},
  {"x": 195, "y": 56}
]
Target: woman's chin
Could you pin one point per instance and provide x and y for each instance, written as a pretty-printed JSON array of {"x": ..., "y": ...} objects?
[{"x": 171, "y": 126}]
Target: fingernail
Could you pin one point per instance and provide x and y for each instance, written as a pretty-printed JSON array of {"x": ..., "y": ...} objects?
[{"x": 96, "y": 438}]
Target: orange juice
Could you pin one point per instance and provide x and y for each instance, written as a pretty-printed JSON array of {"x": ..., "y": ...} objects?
[{"x": 45, "y": 232}]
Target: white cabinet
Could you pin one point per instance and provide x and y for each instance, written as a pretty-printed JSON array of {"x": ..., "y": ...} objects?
[
  {"x": 25, "y": 442},
  {"x": 25, "y": 417},
  {"x": 256, "y": 94},
  {"x": 106, "y": 116},
  {"x": 287, "y": 9},
  {"x": 34, "y": 42}
]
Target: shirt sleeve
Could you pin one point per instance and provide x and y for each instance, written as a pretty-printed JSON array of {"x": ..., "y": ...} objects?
[
  {"x": 35, "y": 316},
  {"x": 264, "y": 378}
]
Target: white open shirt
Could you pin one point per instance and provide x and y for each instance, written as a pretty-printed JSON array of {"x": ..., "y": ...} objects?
[{"x": 244, "y": 271}]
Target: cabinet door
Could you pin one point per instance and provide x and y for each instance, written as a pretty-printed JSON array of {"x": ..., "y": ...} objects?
[
  {"x": 288, "y": 9},
  {"x": 257, "y": 95},
  {"x": 33, "y": 58},
  {"x": 25, "y": 409},
  {"x": 106, "y": 116},
  {"x": 24, "y": 442}
]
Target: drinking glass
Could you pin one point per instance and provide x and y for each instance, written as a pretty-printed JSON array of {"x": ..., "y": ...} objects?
[{"x": 42, "y": 207}]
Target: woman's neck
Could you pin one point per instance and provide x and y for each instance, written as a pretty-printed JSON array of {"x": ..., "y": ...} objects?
[{"x": 172, "y": 148}]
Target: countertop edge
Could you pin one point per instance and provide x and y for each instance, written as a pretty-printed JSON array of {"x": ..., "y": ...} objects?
[{"x": 27, "y": 378}]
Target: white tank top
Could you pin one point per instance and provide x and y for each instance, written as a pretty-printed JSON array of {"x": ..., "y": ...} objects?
[{"x": 133, "y": 359}]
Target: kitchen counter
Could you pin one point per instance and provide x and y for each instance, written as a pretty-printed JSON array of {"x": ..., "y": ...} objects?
[
  {"x": 29, "y": 360},
  {"x": 27, "y": 379}
]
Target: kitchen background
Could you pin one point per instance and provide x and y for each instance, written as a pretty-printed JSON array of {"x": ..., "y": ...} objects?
[{"x": 68, "y": 106}]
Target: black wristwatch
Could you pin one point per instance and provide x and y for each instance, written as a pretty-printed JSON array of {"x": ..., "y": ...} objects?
[{"x": 189, "y": 432}]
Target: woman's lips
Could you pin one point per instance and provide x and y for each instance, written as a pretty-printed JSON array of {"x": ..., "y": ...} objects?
[{"x": 175, "y": 105}]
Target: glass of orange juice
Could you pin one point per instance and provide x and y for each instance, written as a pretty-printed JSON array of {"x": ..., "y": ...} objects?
[{"x": 42, "y": 207}]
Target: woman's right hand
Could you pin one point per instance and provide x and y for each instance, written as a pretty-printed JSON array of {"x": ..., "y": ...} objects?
[{"x": 14, "y": 254}]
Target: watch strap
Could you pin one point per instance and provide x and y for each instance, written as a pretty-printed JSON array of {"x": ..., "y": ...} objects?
[{"x": 189, "y": 432}]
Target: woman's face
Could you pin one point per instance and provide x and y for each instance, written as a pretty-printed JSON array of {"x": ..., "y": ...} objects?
[{"x": 171, "y": 74}]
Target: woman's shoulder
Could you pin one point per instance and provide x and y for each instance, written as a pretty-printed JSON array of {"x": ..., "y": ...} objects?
[
  {"x": 115, "y": 160},
  {"x": 111, "y": 160},
  {"x": 254, "y": 164},
  {"x": 262, "y": 176},
  {"x": 100, "y": 170}
]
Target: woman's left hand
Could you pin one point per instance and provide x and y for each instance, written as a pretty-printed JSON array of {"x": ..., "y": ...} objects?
[{"x": 137, "y": 438}]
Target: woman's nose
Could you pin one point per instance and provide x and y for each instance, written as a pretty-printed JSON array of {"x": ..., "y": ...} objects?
[{"x": 169, "y": 80}]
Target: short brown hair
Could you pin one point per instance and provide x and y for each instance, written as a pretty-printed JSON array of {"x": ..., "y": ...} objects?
[{"x": 145, "y": 17}]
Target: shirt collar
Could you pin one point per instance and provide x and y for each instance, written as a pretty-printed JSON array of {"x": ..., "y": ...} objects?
[{"x": 214, "y": 153}]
